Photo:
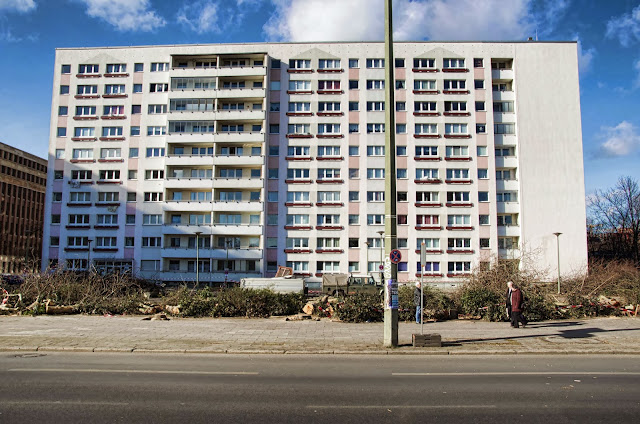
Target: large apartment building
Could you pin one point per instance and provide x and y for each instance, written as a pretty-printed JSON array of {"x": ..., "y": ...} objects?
[
  {"x": 226, "y": 160},
  {"x": 23, "y": 178}
]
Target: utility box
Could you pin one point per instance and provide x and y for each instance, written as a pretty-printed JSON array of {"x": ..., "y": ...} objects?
[{"x": 427, "y": 340}]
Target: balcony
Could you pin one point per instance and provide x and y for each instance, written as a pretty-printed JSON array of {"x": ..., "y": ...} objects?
[
  {"x": 239, "y": 160},
  {"x": 239, "y": 137},
  {"x": 215, "y": 229},
  {"x": 245, "y": 183},
  {"x": 238, "y": 93},
  {"x": 507, "y": 185},
  {"x": 210, "y": 253},
  {"x": 507, "y": 207},
  {"x": 188, "y": 183},
  {"x": 186, "y": 206},
  {"x": 502, "y": 74},
  {"x": 189, "y": 160},
  {"x": 222, "y": 206},
  {"x": 235, "y": 71},
  {"x": 239, "y": 115},
  {"x": 504, "y": 95},
  {"x": 508, "y": 231},
  {"x": 506, "y": 162}
]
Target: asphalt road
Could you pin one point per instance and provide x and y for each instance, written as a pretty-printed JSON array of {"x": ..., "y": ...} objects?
[{"x": 113, "y": 388}]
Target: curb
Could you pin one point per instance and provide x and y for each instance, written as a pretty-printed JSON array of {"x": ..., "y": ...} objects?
[{"x": 417, "y": 352}]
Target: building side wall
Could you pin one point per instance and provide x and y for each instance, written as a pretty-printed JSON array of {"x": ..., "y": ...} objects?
[{"x": 551, "y": 166}]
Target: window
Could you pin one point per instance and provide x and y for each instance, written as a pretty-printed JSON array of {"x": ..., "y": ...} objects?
[
  {"x": 481, "y": 128},
  {"x": 428, "y": 85},
  {"x": 138, "y": 67},
  {"x": 483, "y": 219},
  {"x": 328, "y": 106},
  {"x": 401, "y": 173},
  {"x": 80, "y": 220},
  {"x": 57, "y": 196},
  {"x": 64, "y": 89},
  {"x": 455, "y": 128},
  {"x": 375, "y": 106},
  {"x": 353, "y": 84},
  {"x": 328, "y": 173},
  {"x": 507, "y": 243},
  {"x": 65, "y": 69},
  {"x": 506, "y": 197},
  {"x": 506, "y": 220},
  {"x": 274, "y": 107},
  {"x": 375, "y": 196},
  {"x": 354, "y": 196},
  {"x": 455, "y": 84},
  {"x": 274, "y": 129},
  {"x": 427, "y": 219},
  {"x": 502, "y": 107},
  {"x": 156, "y": 130},
  {"x": 158, "y": 87},
  {"x": 297, "y": 219},
  {"x": 401, "y": 150},
  {"x": 295, "y": 151},
  {"x": 111, "y": 89},
  {"x": 328, "y": 220},
  {"x": 274, "y": 85},
  {"x": 59, "y": 153},
  {"x": 54, "y": 241},
  {"x": 297, "y": 107},
  {"x": 375, "y": 63},
  {"x": 328, "y": 128},
  {"x": 129, "y": 241},
  {"x": 375, "y": 84},
  {"x": 159, "y": 67},
  {"x": 273, "y": 173},
  {"x": 452, "y": 63},
  {"x": 297, "y": 243},
  {"x": 375, "y": 150},
  {"x": 300, "y": 64},
  {"x": 354, "y": 173},
  {"x": 483, "y": 196},
  {"x": 354, "y": 219},
  {"x": 111, "y": 131},
  {"x": 151, "y": 242},
  {"x": 375, "y": 128},
  {"x": 399, "y": 63},
  {"x": 151, "y": 219},
  {"x": 275, "y": 151},
  {"x": 137, "y": 88},
  {"x": 457, "y": 151},
  {"x": 297, "y": 196},
  {"x": 480, "y": 106},
  {"x": 458, "y": 220},
  {"x": 427, "y": 196},
  {"x": 457, "y": 174},
  {"x": 354, "y": 128},
  {"x": 118, "y": 68},
  {"x": 505, "y": 174},
  {"x": 108, "y": 219},
  {"x": 354, "y": 63},
  {"x": 111, "y": 153},
  {"x": 108, "y": 196},
  {"x": 109, "y": 174},
  {"x": 478, "y": 63},
  {"x": 329, "y": 85},
  {"x": 422, "y": 63},
  {"x": 276, "y": 63},
  {"x": 155, "y": 152},
  {"x": 87, "y": 90},
  {"x": 354, "y": 266},
  {"x": 81, "y": 175},
  {"x": 299, "y": 129},
  {"x": 426, "y": 174},
  {"x": 55, "y": 218},
  {"x": 88, "y": 69},
  {"x": 157, "y": 109},
  {"x": 152, "y": 197},
  {"x": 458, "y": 267},
  {"x": 375, "y": 219},
  {"x": 297, "y": 174},
  {"x": 79, "y": 197},
  {"x": 78, "y": 241},
  {"x": 483, "y": 174},
  {"x": 158, "y": 174},
  {"x": 354, "y": 106},
  {"x": 504, "y": 128},
  {"x": 131, "y": 196},
  {"x": 61, "y": 132},
  {"x": 427, "y": 151},
  {"x": 375, "y": 173},
  {"x": 63, "y": 110},
  {"x": 478, "y": 84},
  {"x": 328, "y": 151},
  {"x": 459, "y": 244},
  {"x": 299, "y": 85},
  {"x": 457, "y": 196},
  {"x": 401, "y": 85}
]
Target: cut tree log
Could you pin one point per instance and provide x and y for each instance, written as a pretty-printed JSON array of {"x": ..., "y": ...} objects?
[{"x": 308, "y": 308}]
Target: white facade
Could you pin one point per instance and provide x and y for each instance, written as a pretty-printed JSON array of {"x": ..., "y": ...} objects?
[{"x": 273, "y": 154}]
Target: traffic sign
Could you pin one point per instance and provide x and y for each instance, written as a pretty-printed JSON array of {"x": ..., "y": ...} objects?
[
  {"x": 395, "y": 256},
  {"x": 381, "y": 267}
]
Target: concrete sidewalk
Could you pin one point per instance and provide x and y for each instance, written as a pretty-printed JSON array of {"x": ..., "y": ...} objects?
[{"x": 275, "y": 335}]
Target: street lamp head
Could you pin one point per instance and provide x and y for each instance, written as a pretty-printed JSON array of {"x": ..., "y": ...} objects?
[
  {"x": 557, "y": 234},
  {"x": 381, "y": 233},
  {"x": 197, "y": 233}
]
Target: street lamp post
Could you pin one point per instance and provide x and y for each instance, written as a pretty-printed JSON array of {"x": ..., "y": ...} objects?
[
  {"x": 226, "y": 264},
  {"x": 558, "y": 251},
  {"x": 89, "y": 255},
  {"x": 368, "y": 244},
  {"x": 381, "y": 233},
  {"x": 197, "y": 233}
]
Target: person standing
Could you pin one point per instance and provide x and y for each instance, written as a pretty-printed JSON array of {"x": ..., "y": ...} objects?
[
  {"x": 516, "y": 308},
  {"x": 508, "y": 300},
  {"x": 417, "y": 297}
]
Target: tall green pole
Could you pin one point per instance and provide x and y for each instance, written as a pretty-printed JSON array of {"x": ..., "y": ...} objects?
[{"x": 391, "y": 220}]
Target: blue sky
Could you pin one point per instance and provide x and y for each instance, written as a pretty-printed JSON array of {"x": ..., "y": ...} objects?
[{"x": 608, "y": 33}]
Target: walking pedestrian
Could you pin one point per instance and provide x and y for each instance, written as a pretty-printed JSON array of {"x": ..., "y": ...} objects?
[
  {"x": 508, "y": 300},
  {"x": 516, "y": 308},
  {"x": 417, "y": 297}
]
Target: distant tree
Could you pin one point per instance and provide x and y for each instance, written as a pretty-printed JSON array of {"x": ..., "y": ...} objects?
[{"x": 614, "y": 220}]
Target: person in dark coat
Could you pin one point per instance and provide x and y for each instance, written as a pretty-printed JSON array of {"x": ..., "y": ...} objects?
[
  {"x": 416, "y": 302},
  {"x": 516, "y": 308}
]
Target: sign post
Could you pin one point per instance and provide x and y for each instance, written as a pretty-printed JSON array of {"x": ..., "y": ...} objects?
[{"x": 423, "y": 266}]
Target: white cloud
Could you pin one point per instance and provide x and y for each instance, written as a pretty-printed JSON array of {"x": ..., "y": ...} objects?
[
  {"x": 360, "y": 20},
  {"x": 21, "y": 6},
  {"x": 200, "y": 16},
  {"x": 621, "y": 140},
  {"x": 585, "y": 56},
  {"x": 125, "y": 15},
  {"x": 625, "y": 27}
]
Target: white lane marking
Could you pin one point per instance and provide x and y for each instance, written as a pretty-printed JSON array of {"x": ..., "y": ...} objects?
[
  {"x": 399, "y": 406},
  {"x": 62, "y": 402},
  {"x": 93, "y": 370},
  {"x": 507, "y": 373}
]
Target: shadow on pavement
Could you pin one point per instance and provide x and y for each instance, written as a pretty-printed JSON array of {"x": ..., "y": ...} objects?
[{"x": 579, "y": 333}]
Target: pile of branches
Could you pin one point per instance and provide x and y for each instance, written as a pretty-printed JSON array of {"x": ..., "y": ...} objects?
[{"x": 79, "y": 293}]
